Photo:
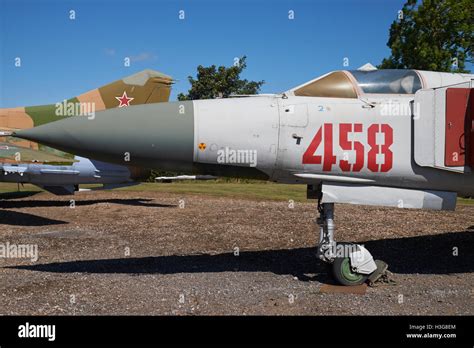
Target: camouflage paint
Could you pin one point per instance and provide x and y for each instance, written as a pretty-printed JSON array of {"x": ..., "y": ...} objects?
[{"x": 147, "y": 86}]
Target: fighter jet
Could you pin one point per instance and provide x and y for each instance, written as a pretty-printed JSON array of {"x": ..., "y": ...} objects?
[
  {"x": 61, "y": 173},
  {"x": 397, "y": 138}
]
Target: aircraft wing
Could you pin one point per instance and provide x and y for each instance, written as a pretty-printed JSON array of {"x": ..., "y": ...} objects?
[{"x": 12, "y": 153}]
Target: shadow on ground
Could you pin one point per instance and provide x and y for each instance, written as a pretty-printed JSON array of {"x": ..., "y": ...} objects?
[
  {"x": 423, "y": 254},
  {"x": 16, "y": 218},
  {"x": 143, "y": 202},
  {"x": 18, "y": 194}
]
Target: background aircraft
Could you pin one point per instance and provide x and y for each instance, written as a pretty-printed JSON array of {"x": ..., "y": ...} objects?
[
  {"x": 400, "y": 138},
  {"x": 23, "y": 161}
]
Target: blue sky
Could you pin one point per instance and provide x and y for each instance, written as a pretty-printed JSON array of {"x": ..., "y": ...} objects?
[{"x": 62, "y": 58}]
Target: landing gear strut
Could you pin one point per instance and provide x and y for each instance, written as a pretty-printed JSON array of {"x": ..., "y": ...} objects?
[{"x": 351, "y": 263}]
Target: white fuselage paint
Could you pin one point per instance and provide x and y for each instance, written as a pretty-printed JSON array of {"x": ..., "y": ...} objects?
[{"x": 271, "y": 125}]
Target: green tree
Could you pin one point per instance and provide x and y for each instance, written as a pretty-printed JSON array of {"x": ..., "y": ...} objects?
[
  {"x": 212, "y": 82},
  {"x": 433, "y": 35}
]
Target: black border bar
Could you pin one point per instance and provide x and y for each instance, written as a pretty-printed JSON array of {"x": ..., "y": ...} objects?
[{"x": 331, "y": 330}]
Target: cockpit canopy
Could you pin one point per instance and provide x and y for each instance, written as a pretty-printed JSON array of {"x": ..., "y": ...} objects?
[
  {"x": 389, "y": 81},
  {"x": 351, "y": 83},
  {"x": 336, "y": 85}
]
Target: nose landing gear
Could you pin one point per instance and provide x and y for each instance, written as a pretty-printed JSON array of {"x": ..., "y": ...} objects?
[
  {"x": 343, "y": 273},
  {"x": 352, "y": 264}
]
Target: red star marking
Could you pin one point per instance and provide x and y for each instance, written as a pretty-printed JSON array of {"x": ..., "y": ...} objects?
[{"x": 124, "y": 100}]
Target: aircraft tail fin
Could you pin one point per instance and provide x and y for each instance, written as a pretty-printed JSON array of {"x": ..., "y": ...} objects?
[
  {"x": 144, "y": 87},
  {"x": 147, "y": 86}
]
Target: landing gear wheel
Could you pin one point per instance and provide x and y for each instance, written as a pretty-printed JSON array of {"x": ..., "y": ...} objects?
[
  {"x": 344, "y": 272},
  {"x": 341, "y": 269}
]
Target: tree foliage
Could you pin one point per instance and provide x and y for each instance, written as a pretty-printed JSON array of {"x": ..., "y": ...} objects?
[
  {"x": 432, "y": 35},
  {"x": 220, "y": 82}
]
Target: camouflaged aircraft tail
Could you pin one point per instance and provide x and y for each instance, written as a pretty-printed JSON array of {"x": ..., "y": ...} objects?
[{"x": 147, "y": 86}]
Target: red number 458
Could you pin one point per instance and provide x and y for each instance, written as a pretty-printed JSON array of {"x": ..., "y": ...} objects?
[{"x": 328, "y": 159}]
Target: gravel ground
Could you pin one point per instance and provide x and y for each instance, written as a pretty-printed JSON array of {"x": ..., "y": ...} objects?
[{"x": 119, "y": 252}]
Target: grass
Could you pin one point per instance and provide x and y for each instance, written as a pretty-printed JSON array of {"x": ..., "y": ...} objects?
[
  {"x": 255, "y": 190},
  {"x": 465, "y": 201},
  {"x": 251, "y": 190}
]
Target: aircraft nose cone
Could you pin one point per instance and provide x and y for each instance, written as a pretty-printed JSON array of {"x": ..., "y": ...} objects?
[{"x": 157, "y": 135}]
